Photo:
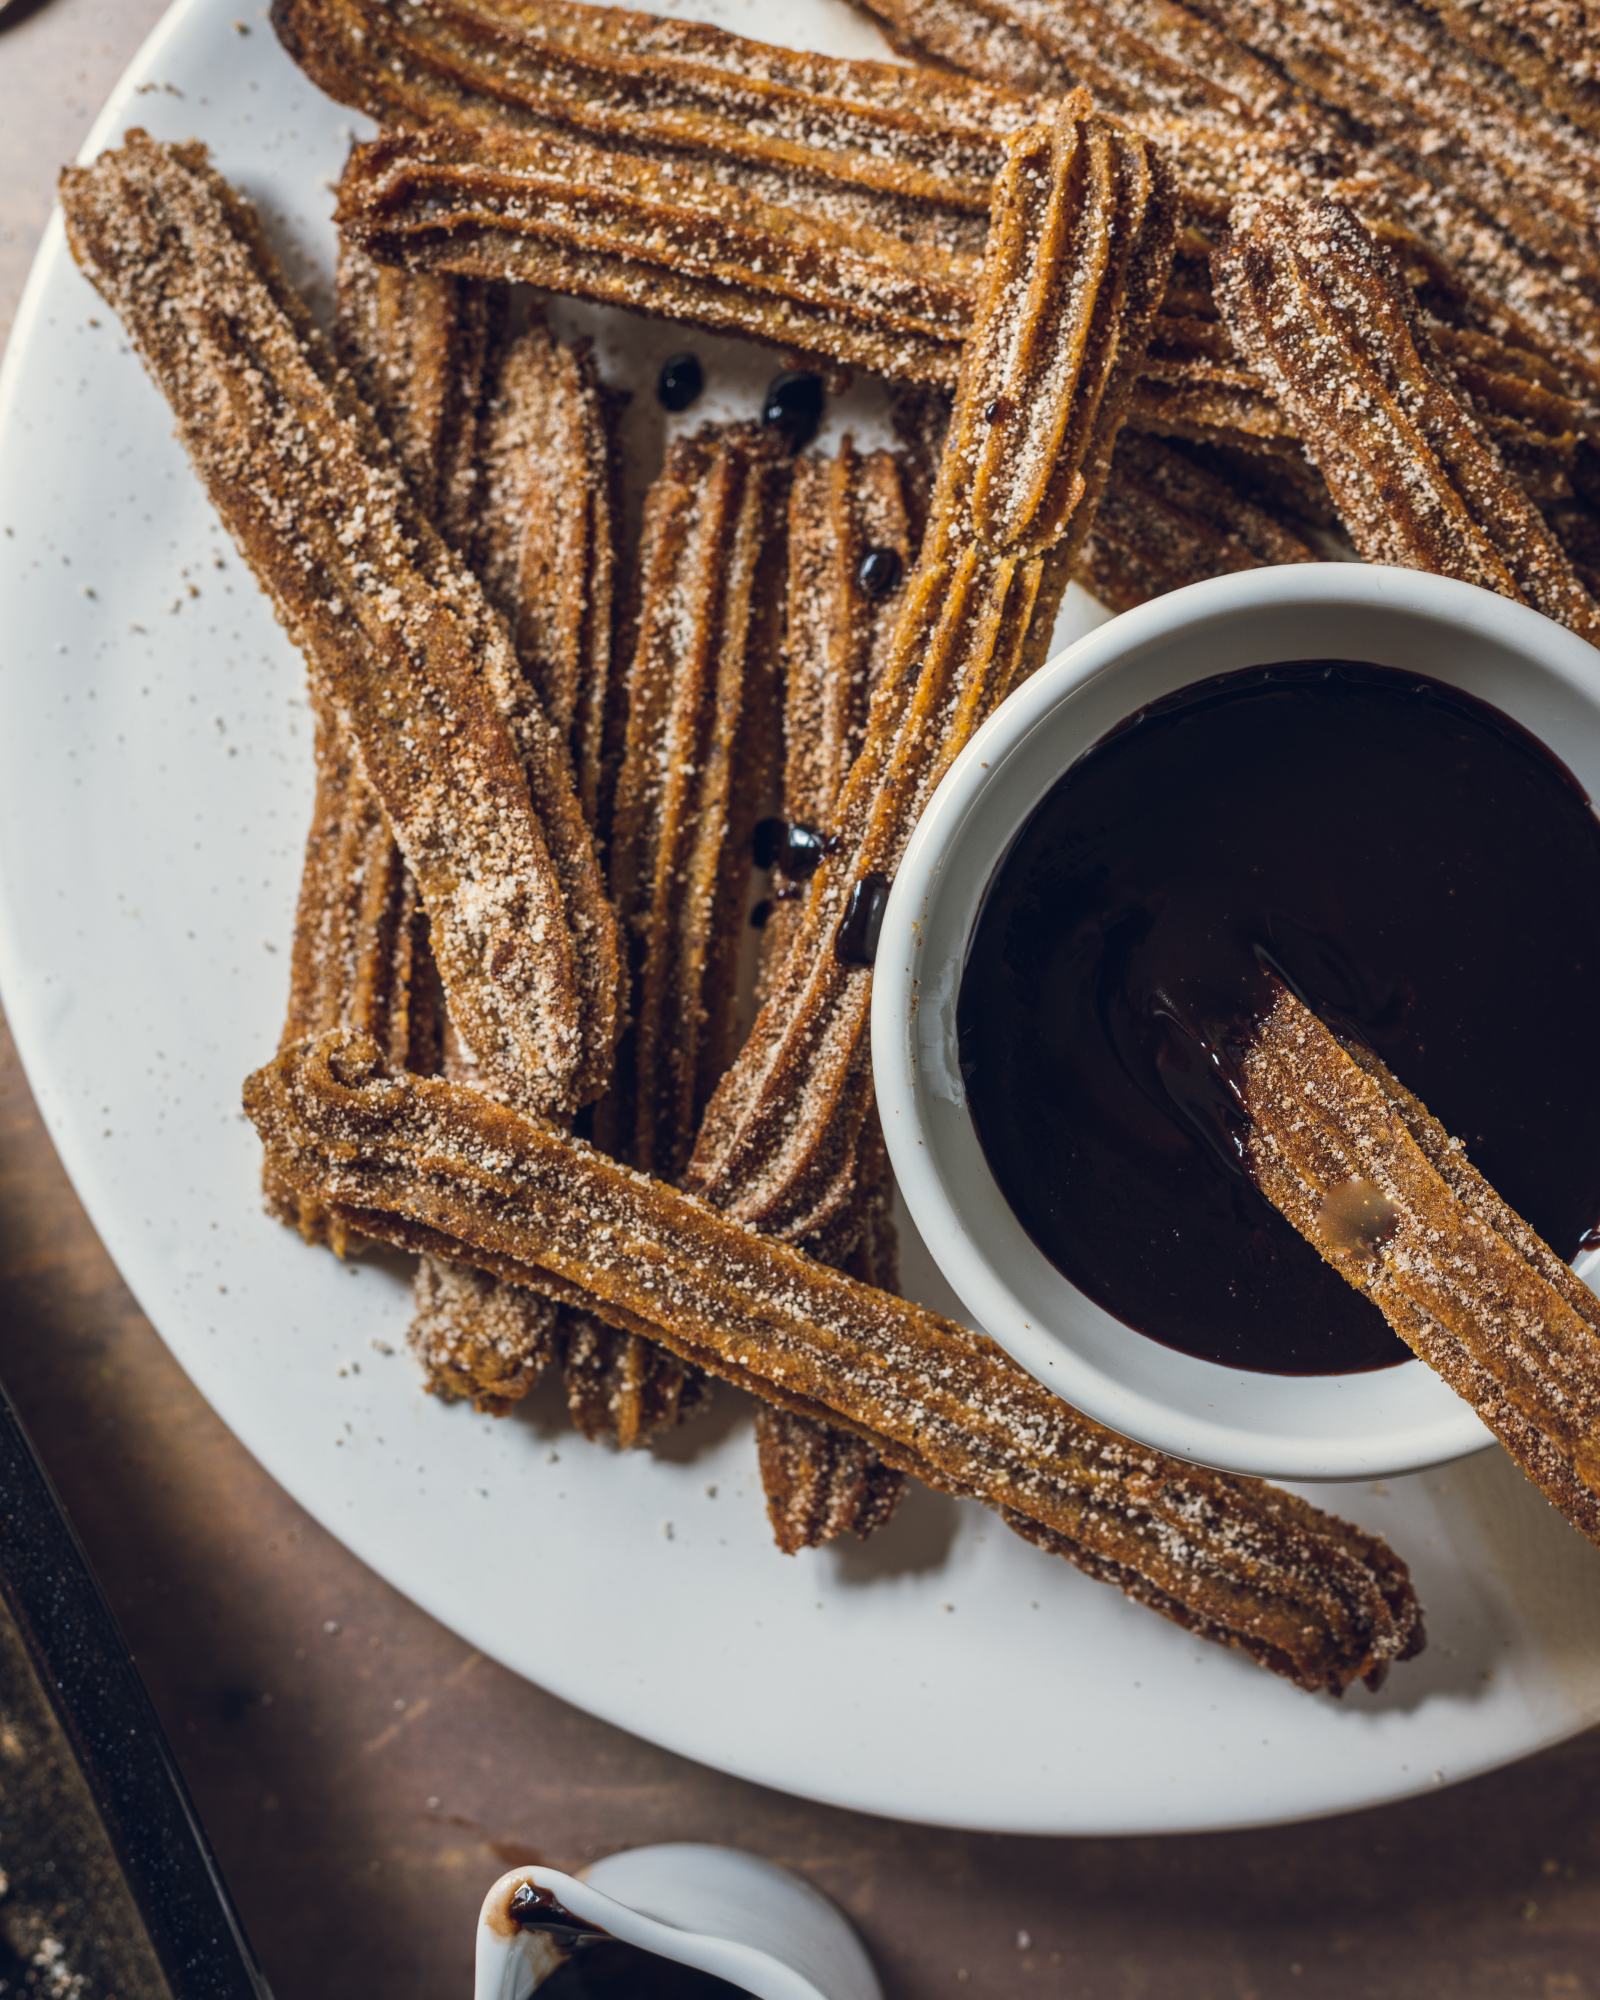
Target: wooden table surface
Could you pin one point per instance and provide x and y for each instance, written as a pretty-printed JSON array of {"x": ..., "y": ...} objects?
[{"x": 364, "y": 1775}]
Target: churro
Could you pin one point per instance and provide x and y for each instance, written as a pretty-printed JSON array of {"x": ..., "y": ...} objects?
[
  {"x": 683, "y": 241},
  {"x": 545, "y": 541},
  {"x": 1381, "y": 1190},
  {"x": 1453, "y": 238},
  {"x": 360, "y": 956},
  {"x": 1080, "y": 247},
  {"x": 693, "y": 777},
  {"x": 399, "y": 637},
  {"x": 850, "y": 551},
  {"x": 421, "y": 349},
  {"x": 504, "y": 440},
  {"x": 696, "y": 768},
  {"x": 1435, "y": 108},
  {"x": 872, "y": 144},
  {"x": 670, "y": 236},
  {"x": 1547, "y": 45},
  {"x": 1167, "y": 519},
  {"x": 1318, "y": 306},
  {"x": 431, "y": 1164},
  {"x": 479, "y": 1338}
]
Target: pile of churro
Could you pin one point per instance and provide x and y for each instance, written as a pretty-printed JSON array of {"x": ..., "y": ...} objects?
[{"x": 1157, "y": 296}]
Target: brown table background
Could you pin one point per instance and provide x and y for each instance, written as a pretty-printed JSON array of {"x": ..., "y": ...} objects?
[{"x": 365, "y": 1775}]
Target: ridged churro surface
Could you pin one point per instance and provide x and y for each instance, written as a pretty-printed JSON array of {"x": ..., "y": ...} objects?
[
  {"x": 1390, "y": 1199},
  {"x": 1416, "y": 477},
  {"x": 401, "y": 642},
  {"x": 1080, "y": 247},
  {"x": 432, "y": 1164}
]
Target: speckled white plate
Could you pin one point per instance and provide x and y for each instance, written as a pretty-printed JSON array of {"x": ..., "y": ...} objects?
[{"x": 154, "y": 784}]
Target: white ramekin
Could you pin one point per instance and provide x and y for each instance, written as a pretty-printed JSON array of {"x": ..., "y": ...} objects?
[{"x": 1281, "y": 1426}]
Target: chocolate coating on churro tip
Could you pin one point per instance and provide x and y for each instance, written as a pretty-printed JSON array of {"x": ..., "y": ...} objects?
[
  {"x": 1418, "y": 481},
  {"x": 1458, "y": 1274},
  {"x": 432, "y": 1164},
  {"x": 400, "y": 639}
]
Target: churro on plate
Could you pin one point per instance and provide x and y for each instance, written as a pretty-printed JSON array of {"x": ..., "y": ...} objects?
[
  {"x": 433, "y": 1165},
  {"x": 402, "y": 644}
]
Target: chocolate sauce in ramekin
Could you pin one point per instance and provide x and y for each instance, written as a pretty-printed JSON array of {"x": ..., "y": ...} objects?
[{"x": 1421, "y": 870}]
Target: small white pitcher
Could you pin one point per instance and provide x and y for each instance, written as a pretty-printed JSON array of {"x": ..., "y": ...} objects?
[{"x": 757, "y": 1926}]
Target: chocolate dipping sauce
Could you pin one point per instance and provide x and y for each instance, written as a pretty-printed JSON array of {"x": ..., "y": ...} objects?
[
  {"x": 597, "y": 1965},
  {"x": 618, "y": 1972},
  {"x": 1418, "y": 868}
]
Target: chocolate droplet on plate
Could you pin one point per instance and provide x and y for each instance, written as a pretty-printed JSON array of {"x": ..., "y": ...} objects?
[
  {"x": 880, "y": 572},
  {"x": 794, "y": 406},
  {"x": 680, "y": 382}
]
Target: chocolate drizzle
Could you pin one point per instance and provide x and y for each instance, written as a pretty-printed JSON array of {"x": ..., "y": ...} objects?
[
  {"x": 790, "y": 846},
  {"x": 856, "y": 940},
  {"x": 533, "y": 1908},
  {"x": 1409, "y": 860}
]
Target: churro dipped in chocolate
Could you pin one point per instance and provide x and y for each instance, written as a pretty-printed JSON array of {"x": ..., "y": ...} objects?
[
  {"x": 428, "y": 1163},
  {"x": 401, "y": 642},
  {"x": 1080, "y": 247},
  {"x": 1168, "y": 518},
  {"x": 1417, "y": 481},
  {"x": 1389, "y": 1198},
  {"x": 694, "y": 773},
  {"x": 850, "y": 552}
]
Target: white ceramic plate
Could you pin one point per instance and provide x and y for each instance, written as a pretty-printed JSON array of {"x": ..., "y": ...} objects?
[{"x": 154, "y": 783}]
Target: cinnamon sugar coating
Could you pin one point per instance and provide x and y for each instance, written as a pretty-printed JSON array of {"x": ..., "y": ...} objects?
[
  {"x": 1168, "y": 519},
  {"x": 1080, "y": 247},
  {"x": 669, "y": 235},
  {"x": 1483, "y": 193},
  {"x": 821, "y": 1483},
  {"x": 1416, "y": 478},
  {"x": 505, "y": 441},
  {"x": 480, "y": 1339},
  {"x": 700, "y": 709},
  {"x": 1456, "y": 1272},
  {"x": 360, "y": 956},
  {"x": 399, "y": 638},
  {"x": 430, "y": 1164},
  {"x": 871, "y": 143}
]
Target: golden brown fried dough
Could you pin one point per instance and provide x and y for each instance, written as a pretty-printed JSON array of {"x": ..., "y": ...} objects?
[
  {"x": 1378, "y": 1186},
  {"x": 1080, "y": 247},
  {"x": 1416, "y": 478},
  {"x": 430, "y": 1164},
  {"x": 401, "y": 642}
]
